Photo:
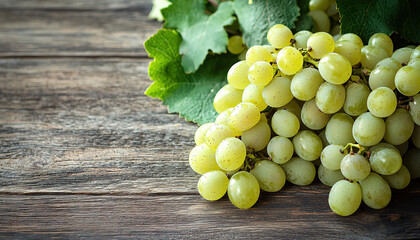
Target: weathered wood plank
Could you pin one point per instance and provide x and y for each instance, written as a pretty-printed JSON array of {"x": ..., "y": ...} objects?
[{"x": 76, "y": 5}]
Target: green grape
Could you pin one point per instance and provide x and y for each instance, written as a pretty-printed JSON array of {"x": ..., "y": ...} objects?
[
  {"x": 305, "y": 84},
  {"x": 260, "y": 73},
  {"x": 371, "y": 55},
  {"x": 382, "y": 102},
  {"x": 244, "y": 116},
  {"x": 329, "y": 177},
  {"x": 279, "y": 36},
  {"x": 403, "y": 55},
  {"x": 400, "y": 179},
  {"x": 258, "y": 53},
  {"x": 335, "y": 68},
  {"x": 235, "y": 44},
  {"x": 390, "y": 63},
  {"x": 242, "y": 56},
  {"x": 331, "y": 156},
  {"x": 213, "y": 185},
  {"x": 277, "y": 93},
  {"x": 407, "y": 80},
  {"x": 415, "y": 63},
  {"x": 356, "y": 99},
  {"x": 253, "y": 94},
  {"x": 368, "y": 130},
  {"x": 319, "y": 44},
  {"x": 238, "y": 75},
  {"x": 292, "y": 107},
  {"x": 323, "y": 138},
  {"x": 416, "y": 137},
  {"x": 412, "y": 162},
  {"x": 263, "y": 117},
  {"x": 200, "y": 134},
  {"x": 355, "y": 167},
  {"x": 402, "y": 148},
  {"x": 202, "y": 159},
  {"x": 350, "y": 50},
  {"x": 383, "y": 145},
  {"x": 312, "y": 117},
  {"x": 243, "y": 190},
  {"x": 301, "y": 38},
  {"x": 319, "y": 5},
  {"x": 227, "y": 97},
  {"x": 285, "y": 123},
  {"x": 332, "y": 9},
  {"x": 330, "y": 97},
  {"x": 415, "y": 109},
  {"x": 270, "y": 176},
  {"x": 216, "y": 134},
  {"x": 376, "y": 192},
  {"x": 270, "y": 48},
  {"x": 321, "y": 21},
  {"x": 345, "y": 197},
  {"x": 299, "y": 171},
  {"x": 307, "y": 145},
  {"x": 382, "y": 76},
  {"x": 257, "y": 137},
  {"x": 383, "y": 41},
  {"x": 223, "y": 118},
  {"x": 416, "y": 53},
  {"x": 230, "y": 154},
  {"x": 385, "y": 160},
  {"x": 289, "y": 60},
  {"x": 352, "y": 38},
  {"x": 398, "y": 127},
  {"x": 280, "y": 149}
]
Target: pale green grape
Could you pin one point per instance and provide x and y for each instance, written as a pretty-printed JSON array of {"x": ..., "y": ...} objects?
[
  {"x": 319, "y": 44},
  {"x": 312, "y": 117},
  {"x": 238, "y": 75},
  {"x": 414, "y": 63},
  {"x": 382, "y": 76},
  {"x": 230, "y": 154},
  {"x": 350, "y": 50},
  {"x": 270, "y": 48},
  {"x": 415, "y": 109},
  {"x": 407, "y": 80},
  {"x": 321, "y": 20},
  {"x": 355, "y": 167},
  {"x": 243, "y": 190},
  {"x": 289, "y": 60},
  {"x": 398, "y": 127},
  {"x": 213, "y": 185},
  {"x": 403, "y": 55},
  {"x": 307, "y": 145},
  {"x": 382, "y": 102},
  {"x": 390, "y": 63},
  {"x": 280, "y": 149},
  {"x": 331, "y": 156},
  {"x": 227, "y": 97},
  {"x": 277, "y": 93},
  {"x": 329, "y": 177},
  {"x": 260, "y": 73},
  {"x": 376, "y": 192},
  {"x": 330, "y": 97},
  {"x": 292, "y": 107},
  {"x": 383, "y": 145},
  {"x": 270, "y": 176},
  {"x": 202, "y": 159},
  {"x": 385, "y": 160},
  {"x": 216, "y": 134},
  {"x": 332, "y": 9},
  {"x": 253, "y": 94},
  {"x": 368, "y": 130},
  {"x": 416, "y": 53},
  {"x": 257, "y": 137},
  {"x": 301, "y": 38},
  {"x": 319, "y": 5},
  {"x": 258, "y": 53},
  {"x": 352, "y": 38},
  {"x": 371, "y": 55},
  {"x": 412, "y": 162},
  {"x": 345, "y": 197},
  {"x": 279, "y": 36},
  {"x": 244, "y": 116},
  {"x": 200, "y": 134},
  {"x": 285, "y": 123},
  {"x": 235, "y": 44},
  {"x": 242, "y": 56},
  {"x": 416, "y": 137},
  {"x": 335, "y": 68},
  {"x": 223, "y": 118},
  {"x": 299, "y": 171},
  {"x": 383, "y": 41},
  {"x": 402, "y": 148},
  {"x": 263, "y": 117},
  {"x": 356, "y": 99},
  {"x": 400, "y": 179},
  {"x": 305, "y": 84},
  {"x": 323, "y": 138}
]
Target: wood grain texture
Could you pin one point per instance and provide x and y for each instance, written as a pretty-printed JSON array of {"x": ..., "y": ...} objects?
[{"x": 77, "y": 5}]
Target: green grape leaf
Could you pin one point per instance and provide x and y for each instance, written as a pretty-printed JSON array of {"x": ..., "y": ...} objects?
[
  {"x": 191, "y": 95},
  {"x": 257, "y": 18},
  {"x": 157, "y": 6},
  {"x": 366, "y": 17},
  {"x": 200, "y": 32}
]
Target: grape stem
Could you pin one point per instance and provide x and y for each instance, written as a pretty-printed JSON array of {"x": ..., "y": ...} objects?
[
  {"x": 310, "y": 60},
  {"x": 351, "y": 146}
]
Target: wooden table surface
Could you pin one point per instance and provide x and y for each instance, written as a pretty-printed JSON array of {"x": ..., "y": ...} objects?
[{"x": 84, "y": 153}]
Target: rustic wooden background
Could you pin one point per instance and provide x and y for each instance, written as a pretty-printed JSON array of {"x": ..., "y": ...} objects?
[{"x": 84, "y": 153}]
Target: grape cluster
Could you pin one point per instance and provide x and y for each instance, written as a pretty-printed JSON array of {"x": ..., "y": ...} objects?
[{"x": 308, "y": 101}]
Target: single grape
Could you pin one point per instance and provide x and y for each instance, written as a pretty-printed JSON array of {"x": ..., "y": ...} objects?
[
  {"x": 223, "y": 118},
  {"x": 270, "y": 176},
  {"x": 352, "y": 38},
  {"x": 403, "y": 55},
  {"x": 350, "y": 50},
  {"x": 355, "y": 167},
  {"x": 371, "y": 55},
  {"x": 213, "y": 185},
  {"x": 258, "y": 53},
  {"x": 307, "y": 145},
  {"x": 277, "y": 93},
  {"x": 200, "y": 134},
  {"x": 227, "y": 97},
  {"x": 368, "y": 130},
  {"x": 330, "y": 97},
  {"x": 305, "y": 84},
  {"x": 407, "y": 80},
  {"x": 289, "y": 60},
  {"x": 202, "y": 159},
  {"x": 253, "y": 94},
  {"x": 332, "y": 9},
  {"x": 279, "y": 36},
  {"x": 415, "y": 109},
  {"x": 335, "y": 68},
  {"x": 416, "y": 53},
  {"x": 321, "y": 20},
  {"x": 331, "y": 156},
  {"x": 345, "y": 197},
  {"x": 414, "y": 63},
  {"x": 398, "y": 127},
  {"x": 402, "y": 148},
  {"x": 285, "y": 123},
  {"x": 216, "y": 134},
  {"x": 280, "y": 149},
  {"x": 323, "y": 138},
  {"x": 312, "y": 117},
  {"x": 383, "y": 41},
  {"x": 257, "y": 137},
  {"x": 301, "y": 38},
  {"x": 319, "y": 5},
  {"x": 244, "y": 116},
  {"x": 329, "y": 177},
  {"x": 235, "y": 44},
  {"x": 243, "y": 190},
  {"x": 384, "y": 160},
  {"x": 339, "y": 129},
  {"x": 376, "y": 192},
  {"x": 400, "y": 179},
  {"x": 390, "y": 63},
  {"x": 382, "y": 76},
  {"x": 299, "y": 171},
  {"x": 416, "y": 137},
  {"x": 260, "y": 73},
  {"x": 238, "y": 75},
  {"x": 230, "y": 154},
  {"x": 319, "y": 44},
  {"x": 382, "y": 102},
  {"x": 292, "y": 107},
  {"x": 412, "y": 162},
  {"x": 356, "y": 99}
]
